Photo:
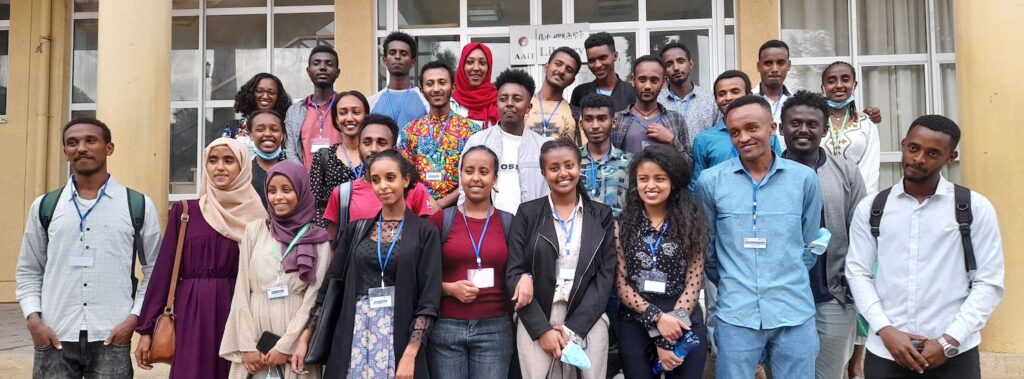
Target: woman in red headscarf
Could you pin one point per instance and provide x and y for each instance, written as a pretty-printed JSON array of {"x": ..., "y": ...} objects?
[{"x": 475, "y": 97}]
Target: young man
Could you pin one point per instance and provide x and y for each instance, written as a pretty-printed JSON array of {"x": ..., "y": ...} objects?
[
  {"x": 75, "y": 275},
  {"x": 758, "y": 255},
  {"x": 804, "y": 123},
  {"x": 930, "y": 298},
  {"x": 400, "y": 100},
  {"x": 601, "y": 58},
  {"x": 646, "y": 121},
  {"x": 433, "y": 143},
  {"x": 604, "y": 168},
  {"x": 682, "y": 95},
  {"x": 518, "y": 148},
  {"x": 549, "y": 117},
  {"x": 308, "y": 122}
]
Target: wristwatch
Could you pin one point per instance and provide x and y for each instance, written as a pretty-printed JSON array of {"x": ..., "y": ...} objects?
[{"x": 948, "y": 349}]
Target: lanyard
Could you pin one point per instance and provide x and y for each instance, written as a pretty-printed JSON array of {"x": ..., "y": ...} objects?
[
  {"x": 837, "y": 136},
  {"x": 82, "y": 217},
  {"x": 568, "y": 233},
  {"x": 358, "y": 171},
  {"x": 545, "y": 120},
  {"x": 321, "y": 117},
  {"x": 685, "y": 99},
  {"x": 477, "y": 245},
  {"x": 646, "y": 124},
  {"x": 391, "y": 111},
  {"x": 755, "y": 186},
  {"x": 654, "y": 246},
  {"x": 776, "y": 106},
  {"x": 295, "y": 240},
  {"x": 438, "y": 134},
  {"x": 594, "y": 169},
  {"x": 383, "y": 262}
]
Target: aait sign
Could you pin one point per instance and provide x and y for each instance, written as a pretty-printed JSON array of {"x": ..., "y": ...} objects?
[{"x": 532, "y": 44}]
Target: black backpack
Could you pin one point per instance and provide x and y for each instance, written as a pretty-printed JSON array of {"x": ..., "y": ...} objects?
[{"x": 449, "y": 220}]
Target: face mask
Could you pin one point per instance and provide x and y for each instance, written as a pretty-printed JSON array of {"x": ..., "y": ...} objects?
[
  {"x": 574, "y": 355},
  {"x": 275, "y": 155},
  {"x": 818, "y": 246},
  {"x": 841, "y": 104}
]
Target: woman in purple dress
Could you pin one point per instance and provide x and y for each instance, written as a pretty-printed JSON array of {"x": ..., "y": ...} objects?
[{"x": 209, "y": 263}]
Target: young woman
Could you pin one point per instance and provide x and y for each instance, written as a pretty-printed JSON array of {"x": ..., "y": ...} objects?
[
  {"x": 341, "y": 162},
  {"x": 564, "y": 242},
  {"x": 473, "y": 337},
  {"x": 851, "y": 134},
  {"x": 209, "y": 264},
  {"x": 282, "y": 262},
  {"x": 262, "y": 92},
  {"x": 661, "y": 238},
  {"x": 475, "y": 97},
  {"x": 267, "y": 132},
  {"x": 391, "y": 265}
]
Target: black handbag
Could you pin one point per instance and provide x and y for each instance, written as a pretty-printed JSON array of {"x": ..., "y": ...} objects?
[{"x": 323, "y": 336}]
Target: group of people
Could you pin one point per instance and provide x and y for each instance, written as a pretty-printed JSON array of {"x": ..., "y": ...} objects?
[{"x": 612, "y": 213}]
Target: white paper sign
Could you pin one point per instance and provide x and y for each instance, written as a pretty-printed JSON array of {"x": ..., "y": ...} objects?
[{"x": 532, "y": 44}]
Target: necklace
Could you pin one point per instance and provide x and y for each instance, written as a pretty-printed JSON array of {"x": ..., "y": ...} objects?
[{"x": 646, "y": 116}]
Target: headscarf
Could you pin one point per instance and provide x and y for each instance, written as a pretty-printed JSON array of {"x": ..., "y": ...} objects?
[
  {"x": 285, "y": 228},
  {"x": 229, "y": 210},
  {"x": 482, "y": 100}
]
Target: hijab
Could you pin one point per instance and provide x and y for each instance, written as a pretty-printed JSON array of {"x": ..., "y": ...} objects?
[
  {"x": 482, "y": 100},
  {"x": 229, "y": 210},
  {"x": 285, "y": 228}
]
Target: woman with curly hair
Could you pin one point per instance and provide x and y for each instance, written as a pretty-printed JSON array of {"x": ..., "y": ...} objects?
[
  {"x": 660, "y": 237},
  {"x": 261, "y": 93}
]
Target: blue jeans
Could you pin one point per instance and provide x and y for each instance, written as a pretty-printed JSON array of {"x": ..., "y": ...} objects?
[
  {"x": 91, "y": 360},
  {"x": 471, "y": 348},
  {"x": 793, "y": 350}
]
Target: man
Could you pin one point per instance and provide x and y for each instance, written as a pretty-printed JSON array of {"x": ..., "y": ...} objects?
[
  {"x": 604, "y": 168},
  {"x": 433, "y": 143},
  {"x": 549, "y": 117},
  {"x": 75, "y": 275},
  {"x": 518, "y": 148},
  {"x": 646, "y": 121},
  {"x": 601, "y": 58},
  {"x": 927, "y": 303},
  {"x": 307, "y": 123},
  {"x": 804, "y": 123},
  {"x": 400, "y": 100},
  {"x": 682, "y": 95},
  {"x": 762, "y": 214}
]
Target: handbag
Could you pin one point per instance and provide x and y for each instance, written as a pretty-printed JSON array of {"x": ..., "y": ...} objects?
[
  {"x": 320, "y": 343},
  {"x": 162, "y": 348}
]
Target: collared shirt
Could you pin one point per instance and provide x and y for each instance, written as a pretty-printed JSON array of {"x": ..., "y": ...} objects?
[
  {"x": 434, "y": 144},
  {"x": 714, "y": 146},
  {"x": 317, "y": 125},
  {"x": 776, "y": 103},
  {"x": 622, "y": 95},
  {"x": 611, "y": 181},
  {"x": 97, "y": 298},
  {"x": 403, "y": 106},
  {"x": 697, "y": 107},
  {"x": 567, "y": 242},
  {"x": 922, "y": 286},
  {"x": 761, "y": 288},
  {"x": 631, "y": 142}
]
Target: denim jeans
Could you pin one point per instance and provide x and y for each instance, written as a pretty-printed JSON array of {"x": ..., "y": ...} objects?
[
  {"x": 471, "y": 348},
  {"x": 83, "y": 359},
  {"x": 793, "y": 350},
  {"x": 836, "y": 324}
]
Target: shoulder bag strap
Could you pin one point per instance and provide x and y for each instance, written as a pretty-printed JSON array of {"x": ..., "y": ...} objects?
[
  {"x": 169, "y": 307},
  {"x": 877, "y": 208},
  {"x": 447, "y": 221},
  {"x": 964, "y": 218}
]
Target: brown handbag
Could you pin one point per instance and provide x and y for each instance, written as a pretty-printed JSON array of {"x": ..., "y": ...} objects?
[{"x": 161, "y": 349}]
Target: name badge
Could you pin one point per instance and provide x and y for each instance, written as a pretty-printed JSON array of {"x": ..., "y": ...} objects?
[
  {"x": 82, "y": 261},
  {"x": 482, "y": 278},
  {"x": 567, "y": 274},
  {"x": 755, "y": 243},
  {"x": 319, "y": 143},
  {"x": 381, "y": 297},
  {"x": 434, "y": 176},
  {"x": 653, "y": 281},
  {"x": 277, "y": 290}
]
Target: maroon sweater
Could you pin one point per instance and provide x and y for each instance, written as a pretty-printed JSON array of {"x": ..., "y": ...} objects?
[{"x": 457, "y": 257}]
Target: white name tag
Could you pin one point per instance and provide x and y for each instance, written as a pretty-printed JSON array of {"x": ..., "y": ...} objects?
[
  {"x": 755, "y": 243},
  {"x": 566, "y": 274},
  {"x": 434, "y": 176},
  {"x": 381, "y": 297},
  {"x": 276, "y": 291},
  {"x": 81, "y": 261},
  {"x": 482, "y": 278},
  {"x": 653, "y": 281},
  {"x": 319, "y": 143}
]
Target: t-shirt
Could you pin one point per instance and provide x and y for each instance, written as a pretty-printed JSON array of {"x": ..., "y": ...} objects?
[
  {"x": 457, "y": 257},
  {"x": 508, "y": 194},
  {"x": 364, "y": 203},
  {"x": 403, "y": 106},
  {"x": 557, "y": 115},
  {"x": 316, "y": 125}
]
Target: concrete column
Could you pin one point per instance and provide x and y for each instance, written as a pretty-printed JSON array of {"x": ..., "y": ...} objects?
[
  {"x": 355, "y": 39},
  {"x": 756, "y": 22},
  {"x": 990, "y": 117},
  {"x": 133, "y": 92}
]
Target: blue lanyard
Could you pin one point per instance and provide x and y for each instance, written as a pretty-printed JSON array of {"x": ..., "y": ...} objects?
[
  {"x": 654, "y": 246},
  {"x": 755, "y": 186},
  {"x": 593, "y": 171},
  {"x": 383, "y": 262},
  {"x": 477, "y": 245},
  {"x": 646, "y": 124},
  {"x": 568, "y": 233},
  {"x": 545, "y": 120},
  {"x": 358, "y": 171},
  {"x": 321, "y": 117},
  {"x": 775, "y": 107},
  {"x": 294, "y": 241},
  {"x": 74, "y": 200},
  {"x": 387, "y": 100}
]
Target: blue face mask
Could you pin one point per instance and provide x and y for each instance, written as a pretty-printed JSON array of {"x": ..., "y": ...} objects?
[
  {"x": 275, "y": 155},
  {"x": 574, "y": 355},
  {"x": 841, "y": 104}
]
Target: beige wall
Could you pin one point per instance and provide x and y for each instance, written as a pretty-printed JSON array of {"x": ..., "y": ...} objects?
[
  {"x": 756, "y": 21},
  {"x": 356, "y": 43}
]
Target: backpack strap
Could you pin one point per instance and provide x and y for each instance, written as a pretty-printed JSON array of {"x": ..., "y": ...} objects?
[
  {"x": 344, "y": 198},
  {"x": 447, "y": 222},
  {"x": 962, "y": 197},
  {"x": 137, "y": 209},
  {"x": 506, "y": 222},
  {"x": 46, "y": 208},
  {"x": 877, "y": 208}
]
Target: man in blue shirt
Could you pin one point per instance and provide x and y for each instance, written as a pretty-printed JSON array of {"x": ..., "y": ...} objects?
[
  {"x": 401, "y": 99},
  {"x": 763, "y": 212}
]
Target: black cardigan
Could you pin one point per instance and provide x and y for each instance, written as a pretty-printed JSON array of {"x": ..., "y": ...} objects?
[{"x": 533, "y": 249}]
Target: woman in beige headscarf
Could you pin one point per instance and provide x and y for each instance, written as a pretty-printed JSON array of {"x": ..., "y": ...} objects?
[{"x": 209, "y": 264}]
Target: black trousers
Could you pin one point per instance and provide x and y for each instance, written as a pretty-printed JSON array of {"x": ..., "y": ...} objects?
[
  {"x": 966, "y": 365},
  {"x": 636, "y": 346}
]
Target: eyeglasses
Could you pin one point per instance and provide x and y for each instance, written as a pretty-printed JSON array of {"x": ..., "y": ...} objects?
[{"x": 261, "y": 92}]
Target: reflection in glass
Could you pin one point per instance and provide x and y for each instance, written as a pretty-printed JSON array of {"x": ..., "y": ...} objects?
[
  {"x": 625, "y": 44},
  {"x": 899, "y": 91},
  {"x": 83, "y": 114},
  {"x": 551, "y": 12},
  {"x": 87, "y": 5},
  {"x": 184, "y": 150},
  {"x": 805, "y": 77},
  {"x": 699, "y": 44},
  {"x": 83, "y": 61},
  {"x": 443, "y": 48},
  {"x": 675, "y": 9},
  {"x": 280, "y": 3},
  {"x": 950, "y": 101},
  {"x": 500, "y": 53},
  {"x": 498, "y": 13},
  {"x": 428, "y": 13},
  {"x": 730, "y": 8},
  {"x": 235, "y": 3},
  {"x": 5, "y": 10},
  {"x": 382, "y": 12},
  {"x": 295, "y": 36},
  {"x": 730, "y": 47},
  {"x": 944, "y": 26},
  {"x": 816, "y": 28},
  {"x": 4, "y": 66},
  {"x": 606, "y": 10},
  {"x": 236, "y": 50},
  {"x": 185, "y": 59},
  {"x": 892, "y": 27}
]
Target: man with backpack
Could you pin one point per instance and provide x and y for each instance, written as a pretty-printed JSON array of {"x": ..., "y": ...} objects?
[
  {"x": 75, "y": 275},
  {"x": 940, "y": 264}
]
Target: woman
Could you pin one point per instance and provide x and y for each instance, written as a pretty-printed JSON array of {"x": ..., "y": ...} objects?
[
  {"x": 475, "y": 97},
  {"x": 565, "y": 243},
  {"x": 391, "y": 265},
  {"x": 473, "y": 337},
  {"x": 661, "y": 239},
  {"x": 851, "y": 134},
  {"x": 341, "y": 162},
  {"x": 282, "y": 262},
  {"x": 209, "y": 264},
  {"x": 262, "y": 92},
  {"x": 267, "y": 132}
]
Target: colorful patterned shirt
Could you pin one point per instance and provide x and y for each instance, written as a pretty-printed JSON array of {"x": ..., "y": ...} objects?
[
  {"x": 607, "y": 182},
  {"x": 433, "y": 144}
]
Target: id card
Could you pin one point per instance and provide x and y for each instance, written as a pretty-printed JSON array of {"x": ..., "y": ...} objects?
[
  {"x": 653, "y": 281},
  {"x": 276, "y": 290},
  {"x": 319, "y": 143},
  {"x": 481, "y": 278},
  {"x": 434, "y": 176},
  {"x": 82, "y": 261},
  {"x": 566, "y": 274},
  {"x": 381, "y": 297},
  {"x": 755, "y": 243}
]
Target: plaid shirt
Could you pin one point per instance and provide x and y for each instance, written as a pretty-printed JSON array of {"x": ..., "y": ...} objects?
[
  {"x": 670, "y": 119},
  {"x": 419, "y": 146},
  {"x": 610, "y": 183}
]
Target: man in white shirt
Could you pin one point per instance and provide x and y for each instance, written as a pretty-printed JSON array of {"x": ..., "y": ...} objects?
[{"x": 927, "y": 304}]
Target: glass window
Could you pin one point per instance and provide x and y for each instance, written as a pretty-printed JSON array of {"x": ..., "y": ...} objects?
[
  {"x": 281, "y": 3},
  {"x": 83, "y": 114},
  {"x": 892, "y": 27},
  {"x": 498, "y": 13},
  {"x": 235, "y": 3},
  {"x": 675, "y": 9},
  {"x": 382, "y": 13},
  {"x": 184, "y": 151},
  {"x": 4, "y": 66},
  {"x": 442, "y": 48},
  {"x": 295, "y": 36},
  {"x": 428, "y": 14},
  {"x": 186, "y": 59},
  {"x": 730, "y": 9},
  {"x": 949, "y": 97},
  {"x": 606, "y": 10},
  {"x": 83, "y": 62},
  {"x": 236, "y": 50},
  {"x": 551, "y": 12},
  {"x": 5, "y": 10},
  {"x": 899, "y": 91},
  {"x": 699, "y": 44},
  {"x": 816, "y": 28},
  {"x": 625, "y": 44},
  {"x": 500, "y": 53},
  {"x": 87, "y": 5},
  {"x": 185, "y": 4},
  {"x": 944, "y": 26},
  {"x": 805, "y": 77},
  {"x": 216, "y": 120},
  {"x": 730, "y": 47}
]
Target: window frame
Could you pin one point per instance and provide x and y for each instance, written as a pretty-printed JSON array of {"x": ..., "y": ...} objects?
[{"x": 5, "y": 25}]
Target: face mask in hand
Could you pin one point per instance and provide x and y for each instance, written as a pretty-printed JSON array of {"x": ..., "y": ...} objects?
[
  {"x": 818, "y": 246},
  {"x": 574, "y": 355}
]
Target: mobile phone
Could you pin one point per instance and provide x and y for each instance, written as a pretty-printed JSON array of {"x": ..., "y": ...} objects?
[
  {"x": 918, "y": 345},
  {"x": 267, "y": 342}
]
